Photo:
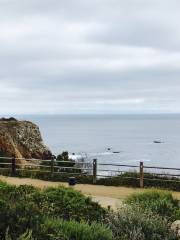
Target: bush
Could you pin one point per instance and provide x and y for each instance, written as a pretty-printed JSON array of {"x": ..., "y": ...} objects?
[
  {"x": 47, "y": 176},
  {"x": 4, "y": 160},
  {"x": 65, "y": 214},
  {"x": 131, "y": 179},
  {"x": 159, "y": 202},
  {"x": 124, "y": 179},
  {"x": 131, "y": 223},
  {"x": 71, "y": 230},
  {"x": 61, "y": 173},
  {"x": 25, "y": 236},
  {"x": 17, "y": 211},
  {"x": 63, "y": 160},
  {"x": 69, "y": 204},
  {"x": 59, "y": 202},
  {"x": 26, "y": 207}
]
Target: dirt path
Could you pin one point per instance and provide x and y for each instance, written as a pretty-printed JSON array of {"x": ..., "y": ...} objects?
[{"x": 105, "y": 195}]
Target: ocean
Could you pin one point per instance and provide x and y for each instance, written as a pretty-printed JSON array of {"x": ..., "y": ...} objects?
[{"x": 130, "y": 136}]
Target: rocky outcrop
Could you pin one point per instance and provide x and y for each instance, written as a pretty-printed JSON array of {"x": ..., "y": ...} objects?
[{"x": 22, "y": 139}]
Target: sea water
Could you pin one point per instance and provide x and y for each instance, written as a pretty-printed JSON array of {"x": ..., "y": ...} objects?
[{"x": 130, "y": 136}]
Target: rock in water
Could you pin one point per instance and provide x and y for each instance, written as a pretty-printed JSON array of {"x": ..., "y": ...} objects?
[{"x": 22, "y": 139}]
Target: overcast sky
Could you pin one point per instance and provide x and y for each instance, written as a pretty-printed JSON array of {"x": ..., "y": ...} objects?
[{"x": 89, "y": 56}]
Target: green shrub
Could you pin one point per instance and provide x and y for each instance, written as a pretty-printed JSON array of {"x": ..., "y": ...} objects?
[
  {"x": 124, "y": 179},
  {"x": 132, "y": 223},
  {"x": 69, "y": 204},
  {"x": 65, "y": 214},
  {"x": 63, "y": 160},
  {"x": 25, "y": 236},
  {"x": 71, "y": 230},
  {"x": 18, "y": 214},
  {"x": 129, "y": 179},
  {"x": 60, "y": 202},
  {"x": 57, "y": 229},
  {"x": 159, "y": 202},
  {"x": 25, "y": 207},
  {"x": 4, "y": 160}
]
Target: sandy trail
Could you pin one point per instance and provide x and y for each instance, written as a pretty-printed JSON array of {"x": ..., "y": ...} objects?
[{"x": 105, "y": 195}]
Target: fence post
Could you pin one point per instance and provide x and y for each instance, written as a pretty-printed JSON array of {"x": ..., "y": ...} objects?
[
  {"x": 141, "y": 171},
  {"x": 52, "y": 165},
  {"x": 13, "y": 166},
  {"x": 94, "y": 170}
]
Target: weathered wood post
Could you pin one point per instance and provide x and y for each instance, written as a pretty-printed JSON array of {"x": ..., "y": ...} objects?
[
  {"x": 13, "y": 166},
  {"x": 141, "y": 171},
  {"x": 52, "y": 165},
  {"x": 94, "y": 170}
]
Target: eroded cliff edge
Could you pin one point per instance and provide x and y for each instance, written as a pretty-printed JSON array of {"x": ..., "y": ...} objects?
[{"x": 22, "y": 139}]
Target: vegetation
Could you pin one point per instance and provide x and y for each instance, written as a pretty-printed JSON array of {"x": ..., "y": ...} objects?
[
  {"x": 25, "y": 236},
  {"x": 63, "y": 160},
  {"x": 131, "y": 223},
  {"x": 73, "y": 230},
  {"x": 145, "y": 216},
  {"x": 4, "y": 160},
  {"x": 131, "y": 179},
  {"x": 126, "y": 179},
  {"x": 64, "y": 167},
  {"x": 30, "y": 213},
  {"x": 61, "y": 164},
  {"x": 27, "y": 213},
  {"x": 159, "y": 202}
]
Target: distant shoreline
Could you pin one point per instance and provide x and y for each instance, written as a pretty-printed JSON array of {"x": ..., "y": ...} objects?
[{"x": 96, "y": 115}]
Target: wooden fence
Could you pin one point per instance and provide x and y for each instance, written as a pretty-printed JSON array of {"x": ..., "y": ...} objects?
[{"x": 52, "y": 166}]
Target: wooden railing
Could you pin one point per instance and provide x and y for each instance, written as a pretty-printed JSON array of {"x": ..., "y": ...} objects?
[
  {"x": 51, "y": 166},
  {"x": 95, "y": 169},
  {"x": 142, "y": 171}
]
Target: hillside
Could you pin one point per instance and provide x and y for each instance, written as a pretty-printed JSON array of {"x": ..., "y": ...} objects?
[{"x": 21, "y": 139}]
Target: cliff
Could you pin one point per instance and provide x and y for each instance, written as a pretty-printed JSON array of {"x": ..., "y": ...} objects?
[{"x": 21, "y": 139}]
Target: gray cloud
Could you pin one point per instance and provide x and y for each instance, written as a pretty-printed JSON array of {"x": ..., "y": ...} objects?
[{"x": 96, "y": 56}]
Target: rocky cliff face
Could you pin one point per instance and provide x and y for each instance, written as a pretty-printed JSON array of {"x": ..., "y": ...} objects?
[{"x": 22, "y": 139}]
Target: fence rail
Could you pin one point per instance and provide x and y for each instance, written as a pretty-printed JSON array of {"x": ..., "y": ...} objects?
[{"x": 95, "y": 169}]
